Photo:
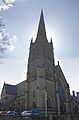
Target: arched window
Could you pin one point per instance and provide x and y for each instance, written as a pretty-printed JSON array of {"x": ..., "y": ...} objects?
[
  {"x": 49, "y": 101},
  {"x": 62, "y": 108}
]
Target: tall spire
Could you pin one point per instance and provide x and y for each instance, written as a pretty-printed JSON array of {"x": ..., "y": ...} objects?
[{"x": 41, "y": 34}]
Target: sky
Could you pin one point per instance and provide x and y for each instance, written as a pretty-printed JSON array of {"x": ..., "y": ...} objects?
[{"x": 21, "y": 23}]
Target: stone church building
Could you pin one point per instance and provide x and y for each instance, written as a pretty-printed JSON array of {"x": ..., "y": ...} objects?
[{"x": 45, "y": 86}]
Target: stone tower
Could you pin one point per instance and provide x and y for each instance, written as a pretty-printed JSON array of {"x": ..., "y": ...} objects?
[{"x": 41, "y": 84}]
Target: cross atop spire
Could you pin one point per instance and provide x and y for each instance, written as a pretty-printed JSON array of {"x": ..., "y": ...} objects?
[{"x": 41, "y": 34}]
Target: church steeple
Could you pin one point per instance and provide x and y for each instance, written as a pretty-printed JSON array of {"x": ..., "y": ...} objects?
[
  {"x": 41, "y": 70},
  {"x": 41, "y": 34}
]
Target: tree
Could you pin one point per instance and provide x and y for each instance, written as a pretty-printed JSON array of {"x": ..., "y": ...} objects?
[
  {"x": 4, "y": 41},
  {"x": 9, "y": 2},
  {"x": 34, "y": 105}
]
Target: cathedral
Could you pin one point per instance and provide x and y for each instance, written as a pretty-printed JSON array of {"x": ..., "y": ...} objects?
[{"x": 45, "y": 87}]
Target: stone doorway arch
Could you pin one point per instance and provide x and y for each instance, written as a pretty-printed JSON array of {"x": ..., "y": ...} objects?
[{"x": 62, "y": 108}]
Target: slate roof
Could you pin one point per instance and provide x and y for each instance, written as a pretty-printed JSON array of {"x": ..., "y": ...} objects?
[{"x": 10, "y": 89}]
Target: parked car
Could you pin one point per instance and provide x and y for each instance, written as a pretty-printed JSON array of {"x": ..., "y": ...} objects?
[
  {"x": 3, "y": 112},
  {"x": 35, "y": 111},
  {"x": 12, "y": 113},
  {"x": 26, "y": 113}
]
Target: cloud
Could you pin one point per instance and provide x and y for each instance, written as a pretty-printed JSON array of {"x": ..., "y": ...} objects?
[
  {"x": 23, "y": 74},
  {"x": 13, "y": 43}
]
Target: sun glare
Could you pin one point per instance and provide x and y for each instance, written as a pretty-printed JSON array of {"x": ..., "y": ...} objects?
[{"x": 12, "y": 47}]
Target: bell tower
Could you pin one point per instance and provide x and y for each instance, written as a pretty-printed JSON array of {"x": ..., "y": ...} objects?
[{"x": 41, "y": 84}]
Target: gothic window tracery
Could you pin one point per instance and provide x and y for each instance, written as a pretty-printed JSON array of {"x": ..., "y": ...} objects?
[{"x": 61, "y": 91}]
